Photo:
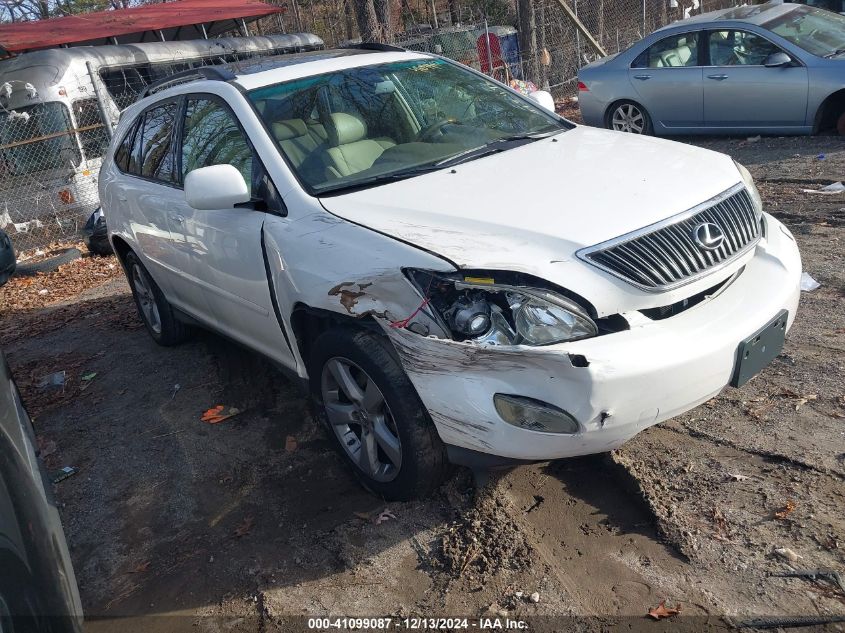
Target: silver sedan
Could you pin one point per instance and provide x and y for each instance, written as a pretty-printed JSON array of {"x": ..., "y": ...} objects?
[{"x": 775, "y": 68}]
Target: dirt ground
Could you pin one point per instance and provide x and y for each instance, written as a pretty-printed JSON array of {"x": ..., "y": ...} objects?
[{"x": 254, "y": 523}]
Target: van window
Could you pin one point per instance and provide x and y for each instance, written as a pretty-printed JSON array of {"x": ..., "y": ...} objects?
[
  {"x": 37, "y": 138},
  {"x": 212, "y": 137},
  {"x": 156, "y": 143},
  {"x": 92, "y": 131}
]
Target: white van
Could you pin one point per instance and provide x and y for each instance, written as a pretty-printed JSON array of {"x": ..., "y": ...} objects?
[{"x": 59, "y": 106}]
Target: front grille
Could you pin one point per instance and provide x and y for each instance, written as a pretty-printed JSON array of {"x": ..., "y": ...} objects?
[{"x": 667, "y": 255}]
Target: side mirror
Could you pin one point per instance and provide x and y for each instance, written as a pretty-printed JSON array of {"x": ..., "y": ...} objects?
[
  {"x": 543, "y": 99},
  {"x": 777, "y": 60},
  {"x": 215, "y": 187}
]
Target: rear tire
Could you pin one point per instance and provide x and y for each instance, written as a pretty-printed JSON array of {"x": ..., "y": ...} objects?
[
  {"x": 383, "y": 430},
  {"x": 628, "y": 116},
  {"x": 155, "y": 311},
  {"x": 840, "y": 124}
]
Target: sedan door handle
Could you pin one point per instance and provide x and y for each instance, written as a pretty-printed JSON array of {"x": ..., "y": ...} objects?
[
  {"x": 121, "y": 198},
  {"x": 178, "y": 218},
  {"x": 717, "y": 77},
  {"x": 642, "y": 77}
]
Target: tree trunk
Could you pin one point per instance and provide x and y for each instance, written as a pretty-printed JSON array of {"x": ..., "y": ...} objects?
[
  {"x": 368, "y": 24},
  {"x": 528, "y": 39},
  {"x": 383, "y": 15},
  {"x": 455, "y": 11},
  {"x": 350, "y": 19}
]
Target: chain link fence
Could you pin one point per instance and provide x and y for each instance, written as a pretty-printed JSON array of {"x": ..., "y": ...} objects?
[
  {"x": 49, "y": 161},
  {"x": 50, "y": 152}
]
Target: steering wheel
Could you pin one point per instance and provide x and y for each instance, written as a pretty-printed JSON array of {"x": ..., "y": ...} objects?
[{"x": 428, "y": 132}]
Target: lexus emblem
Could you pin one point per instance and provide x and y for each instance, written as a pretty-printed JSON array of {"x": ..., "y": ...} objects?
[{"x": 708, "y": 236}]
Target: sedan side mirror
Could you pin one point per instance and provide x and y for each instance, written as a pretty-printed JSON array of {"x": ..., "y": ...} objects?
[
  {"x": 777, "y": 60},
  {"x": 215, "y": 187},
  {"x": 543, "y": 99}
]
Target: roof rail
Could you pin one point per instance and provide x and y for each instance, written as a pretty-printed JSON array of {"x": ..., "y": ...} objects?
[
  {"x": 215, "y": 73},
  {"x": 378, "y": 46}
]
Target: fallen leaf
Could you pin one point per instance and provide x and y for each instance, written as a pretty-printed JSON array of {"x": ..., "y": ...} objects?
[
  {"x": 141, "y": 568},
  {"x": 217, "y": 414},
  {"x": 290, "y": 444},
  {"x": 385, "y": 515},
  {"x": 804, "y": 400},
  {"x": 90, "y": 376},
  {"x": 244, "y": 528},
  {"x": 781, "y": 514},
  {"x": 788, "y": 554},
  {"x": 737, "y": 477},
  {"x": 662, "y": 611},
  {"x": 721, "y": 524}
]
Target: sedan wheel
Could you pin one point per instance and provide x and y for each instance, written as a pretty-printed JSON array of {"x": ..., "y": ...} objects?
[
  {"x": 628, "y": 117},
  {"x": 361, "y": 419}
]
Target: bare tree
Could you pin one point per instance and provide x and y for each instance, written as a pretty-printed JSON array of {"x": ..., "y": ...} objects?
[
  {"x": 370, "y": 26},
  {"x": 528, "y": 38}
]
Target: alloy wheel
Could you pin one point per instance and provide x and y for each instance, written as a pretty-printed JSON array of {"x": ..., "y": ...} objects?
[
  {"x": 628, "y": 118},
  {"x": 146, "y": 300},
  {"x": 361, "y": 420}
]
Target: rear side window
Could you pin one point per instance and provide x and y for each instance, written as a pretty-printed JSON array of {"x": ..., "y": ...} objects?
[
  {"x": 124, "y": 150},
  {"x": 670, "y": 52},
  {"x": 156, "y": 143},
  {"x": 211, "y": 136}
]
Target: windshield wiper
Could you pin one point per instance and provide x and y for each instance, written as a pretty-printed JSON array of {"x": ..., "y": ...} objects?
[
  {"x": 380, "y": 179},
  {"x": 838, "y": 51},
  {"x": 494, "y": 146}
]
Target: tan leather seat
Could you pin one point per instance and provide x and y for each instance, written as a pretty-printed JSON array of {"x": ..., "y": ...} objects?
[
  {"x": 296, "y": 140},
  {"x": 676, "y": 56},
  {"x": 350, "y": 151}
]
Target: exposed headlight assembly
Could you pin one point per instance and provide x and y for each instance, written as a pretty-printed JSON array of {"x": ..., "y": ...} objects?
[
  {"x": 751, "y": 187},
  {"x": 477, "y": 308}
]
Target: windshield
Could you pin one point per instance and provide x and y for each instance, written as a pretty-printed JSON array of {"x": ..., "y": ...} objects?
[
  {"x": 365, "y": 125},
  {"x": 37, "y": 138},
  {"x": 817, "y": 31}
]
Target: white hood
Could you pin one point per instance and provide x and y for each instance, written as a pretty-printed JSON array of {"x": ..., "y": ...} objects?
[{"x": 543, "y": 201}]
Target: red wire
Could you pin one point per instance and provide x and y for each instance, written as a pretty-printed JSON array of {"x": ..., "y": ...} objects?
[{"x": 404, "y": 322}]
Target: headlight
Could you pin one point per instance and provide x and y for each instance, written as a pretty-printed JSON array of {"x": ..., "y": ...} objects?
[
  {"x": 752, "y": 188},
  {"x": 479, "y": 309}
]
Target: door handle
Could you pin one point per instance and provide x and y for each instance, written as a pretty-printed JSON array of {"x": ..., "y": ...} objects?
[
  {"x": 178, "y": 218},
  {"x": 642, "y": 77},
  {"x": 121, "y": 198},
  {"x": 717, "y": 77}
]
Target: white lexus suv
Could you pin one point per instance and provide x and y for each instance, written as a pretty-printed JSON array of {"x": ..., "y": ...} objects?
[{"x": 455, "y": 272}]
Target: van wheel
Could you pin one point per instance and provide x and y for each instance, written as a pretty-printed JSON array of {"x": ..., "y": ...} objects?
[
  {"x": 154, "y": 309},
  {"x": 627, "y": 116},
  {"x": 374, "y": 415}
]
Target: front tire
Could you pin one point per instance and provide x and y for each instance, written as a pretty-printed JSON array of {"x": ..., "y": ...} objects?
[
  {"x": 374, "y": 416},
  {"x": 628, "y": 116},
  {"x": 155, "y": 311}
]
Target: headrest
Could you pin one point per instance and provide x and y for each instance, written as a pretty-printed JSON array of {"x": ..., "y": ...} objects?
[
  {"x": 291, "y": 128},
  {"x": 345, "y": 128}
]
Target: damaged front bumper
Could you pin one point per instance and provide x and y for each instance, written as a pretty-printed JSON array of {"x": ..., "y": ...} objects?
[{"x": 614, "y": 385}]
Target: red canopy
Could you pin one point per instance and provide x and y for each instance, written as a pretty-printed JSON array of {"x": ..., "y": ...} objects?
[{"x": 175, "y": 20}]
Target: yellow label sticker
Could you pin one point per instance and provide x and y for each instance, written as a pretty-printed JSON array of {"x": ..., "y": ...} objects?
[{"x": 479, "y": 280}]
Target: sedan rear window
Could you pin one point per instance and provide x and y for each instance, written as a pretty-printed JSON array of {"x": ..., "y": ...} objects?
[{"x": 819, "y": 32}]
